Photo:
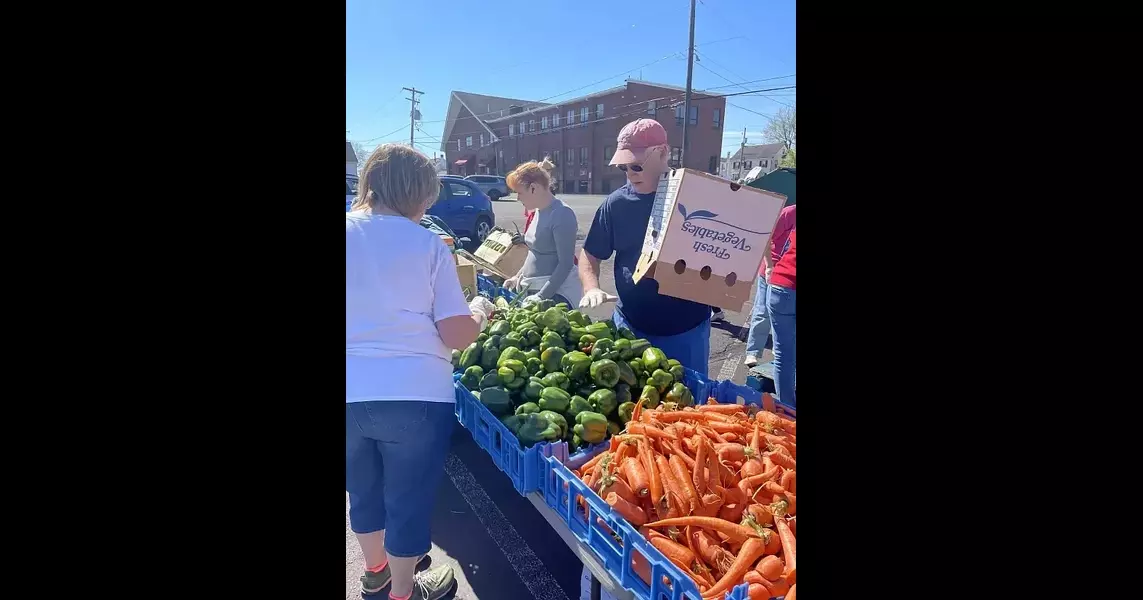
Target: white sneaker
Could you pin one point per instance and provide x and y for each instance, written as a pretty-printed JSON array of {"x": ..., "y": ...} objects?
[
  {"x": 750, "y": 361},
  {"x": 717, "y": 317}
]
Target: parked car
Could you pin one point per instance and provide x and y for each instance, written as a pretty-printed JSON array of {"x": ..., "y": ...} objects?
[
  {"x": 350, "y": 190},
  {"x": 495, "y": 186},
  {"x": 465, "y": 208}
]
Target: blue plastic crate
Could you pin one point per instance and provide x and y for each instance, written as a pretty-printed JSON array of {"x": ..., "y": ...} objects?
[
  {"x": 728, "y": 392},
  {"x": 484, "y": 284},
  {"x": 522, "y": 465}
]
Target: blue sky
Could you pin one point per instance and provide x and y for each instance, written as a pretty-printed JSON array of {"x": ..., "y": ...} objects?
[{"x": 533, "y": 49}]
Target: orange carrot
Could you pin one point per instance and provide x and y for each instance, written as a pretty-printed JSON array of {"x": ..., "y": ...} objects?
[
  {"x": 793, "y": 523},
  {"x": 647, "y": 430},
  {"x": 777, "y": 588},
  {"x": 757, "y": 591},
  {"x": 627, "y": 510},
  {"x": 726, "y": 409},
  {"x": 733, "y": 531},
  {"x": 683, "y": 480},
  {"x": 754, "y": 577},
  {"x": 638, "y": 410},
  {"x": 613, "y": 484},
  {"x": 641, "y": 566},
  {"x": 730, "y": 452},
  {"x": 782, "y": 460},
  {"x": 720, "y": 427},
  {"x": 761, "y": 513},
  {"x": 712, "y": 467},
  {"x": 753, "y": 464},
  {"x": 793, "y": 593},
  {"x": 673, "y": 550},
  {"x": 674, "y": 451},
  {"x": 711, "y": 503},
  {"x": 773, "y": 542},
  {"x": 589, "y": 465},
  {"x": 732, "y": 512},
  {"x": 698, "y": 478},
  {"x": 788, "y": 480},
  {"x": 751, "y": 551},
  {"x": 749, "y": 484},
  {"x": 656, "y": 483},
  {"x": 770, "y": 567},
  {"x": 789, "y": 544},
  {"x": 708, "y": 548},
  {"x": 636, "y": 476}
]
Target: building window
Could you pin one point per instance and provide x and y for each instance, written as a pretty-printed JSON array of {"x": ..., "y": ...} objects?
[
  {"x": 583, "y": 115},
  {"x": 468, "y": 141},
  {"x": 679, "y": 115},
  {"x": 571, "y": 156},
  {"x": 717, "y": 118},
  {"x": 522, "y": 130},
  {"x": 735, "y": 164},
  {"x": 764, "y": 164},
  {"x": 608, "y": 152},
  {"x": 555, "y": 157},
  {"x": 651, "y": 109},
  {"x": 749, "y": 164},
  {"x": 482, "y": 140},
  {"x": 511, "y": 129},
  {"x": 676, "y": 156},
  {"x": 556, "y": 120},
  {"x": 458, "y": 144},
  {"x": 531, "y": 125},
  {"x": 599, "y": 110},
  {"x": 583, "y": 157},
  {"x": 712, "y": 167},
  {"x": 694, "y": 115},
  {"x": 584, "y": 186},
  {"x": 544, "y": 123},
  {"x": 571, "y": 117}
]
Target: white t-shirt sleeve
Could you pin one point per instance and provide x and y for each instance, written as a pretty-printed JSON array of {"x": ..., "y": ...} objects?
[{"x": 448, "y": 298}]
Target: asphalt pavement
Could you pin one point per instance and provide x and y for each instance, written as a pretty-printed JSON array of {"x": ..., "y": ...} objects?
[{"x": 496, "y": 542}]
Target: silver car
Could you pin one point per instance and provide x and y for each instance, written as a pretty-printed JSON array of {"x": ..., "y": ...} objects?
[{"x": 495, "y": 186}]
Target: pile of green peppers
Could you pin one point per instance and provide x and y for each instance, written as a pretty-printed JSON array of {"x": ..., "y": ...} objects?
[{"x": 550, "y": 374}]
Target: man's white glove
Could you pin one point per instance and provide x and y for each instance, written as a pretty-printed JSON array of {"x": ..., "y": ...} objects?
[
  {"x": 594, "y": 297},
  {"x": 482, "y": 309},
  {"x": 530, "y": 300},
  {"x": 512, "y": 284},
  {"x": 768, "y": 271}
]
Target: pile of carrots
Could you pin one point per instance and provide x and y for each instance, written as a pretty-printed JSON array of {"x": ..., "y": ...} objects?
[{"x": 713, "y": 488}]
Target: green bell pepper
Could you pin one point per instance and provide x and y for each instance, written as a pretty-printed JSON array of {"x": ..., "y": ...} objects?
[
  {"x": 547, "y": 303},
  {"x": 650, "y": 396},
  {"x": 527, "y": 408},
  {"x": 506, "y": 375},
  {"x": 603, "y": 401},
  {"x": 509, "y": 353},
  {"x": 626, "y": 333},
  {"x": 555, "y": 319},
  {"x": 680, "y": 395},
  {"x": 500, "y": 328},
  {"x": 604, "y": 348},
  {"x": 512, "y": 422},
  {"x": 586, "y": 389},
  {"x": 623, "y": 347},
  {"x": 533, "y": 353},
  {"x": 576, "y": 364},
  {"x": 557, "y": 379},
  {"x": 554, "y": 398},
  {"x": 556, "y": 419},
  {"x": 480, "y": 339},
  {"x": 512, "y": 339},
  {"x": 501, "y": 303},
  {"x": 532, "y": 389},
  {"x": 535, "y": 429},
  {"x": 490, "y": 379},
  {"x": 653, "y": 358},
  {"x": 677, "y": 373},
  {"x": 673, "y": 363},
  {"x": 586, "y": 343},
  {"x": 661, "y": 379},
  {"x": 551, "y": 358},
  {"x": 626, "y": 375},
  {"x": 599, "y": 330},
  {"x": 575, "y": 333},
  {"x": 625, "y": 411},
  {"x": 497, "y": 400},
  {"x": 534, "y": 366},
  {"x": 471, "y": 377},
  {"x": 516, "y": 384},
  {"x": 613, "y": 428},
  {"x": 516, "y": 365},
  {"x": 591, "y": 427},
  {"x": 636, "y": 365},
  {"x": 578, "y": 319},
  {"x": 470, "y": 356},
  {"x": 605, "y": 373},
  {"x": 455, "y": 359},
  {"x": 622, "y": 393},
  {"x": 639, "y": 346},
  {"x": 531, "y": 336},
  {"x": 551, "y": 339},
  {"x": 489, "y": 356},
  {"x": 578, "y": 405}
]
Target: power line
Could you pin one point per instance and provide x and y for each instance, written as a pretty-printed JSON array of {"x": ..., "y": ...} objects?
[
  {"x": 734, "y": 83},
  {"x": 379, "y": 137}
]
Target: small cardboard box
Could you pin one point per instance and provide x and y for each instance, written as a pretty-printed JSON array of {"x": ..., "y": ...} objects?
[
  {"x": 466, "y": 272},
  {"x": 706, "y": 238},
  {"x": 500, "y": 254}
]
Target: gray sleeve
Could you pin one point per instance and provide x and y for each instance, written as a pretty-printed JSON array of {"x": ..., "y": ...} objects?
[{"x": 564, "y": 229}]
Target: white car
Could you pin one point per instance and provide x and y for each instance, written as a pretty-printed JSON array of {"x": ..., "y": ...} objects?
[{"x": 350, "y": 190}]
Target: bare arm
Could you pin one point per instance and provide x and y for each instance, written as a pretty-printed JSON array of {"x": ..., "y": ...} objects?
[
  {"x": 588, "y": 270},
  {"x": 458, "y": 332}
]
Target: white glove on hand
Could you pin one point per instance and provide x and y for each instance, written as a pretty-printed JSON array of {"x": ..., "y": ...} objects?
[
  {"x": 768, "y": 271},
  {"x": 594, "y": 297},
  {"x": 482, "y": 309},
  {"x": 512, "y": 284},
  {"x": 530, "y": 300}
]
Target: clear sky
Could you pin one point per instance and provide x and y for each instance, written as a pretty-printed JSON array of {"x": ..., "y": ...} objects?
[{"x": 534, "y": 49}]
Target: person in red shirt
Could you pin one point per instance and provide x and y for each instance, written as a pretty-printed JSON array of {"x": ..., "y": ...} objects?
[
  {"x": 759, "y": 317},
  {"x": 781, "y": 303}
]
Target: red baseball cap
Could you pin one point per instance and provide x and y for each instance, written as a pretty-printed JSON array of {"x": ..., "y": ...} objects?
[{"x": 634, "y": 140}]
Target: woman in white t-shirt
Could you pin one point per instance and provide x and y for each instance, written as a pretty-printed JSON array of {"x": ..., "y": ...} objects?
[{"x": 404, "y": 312}]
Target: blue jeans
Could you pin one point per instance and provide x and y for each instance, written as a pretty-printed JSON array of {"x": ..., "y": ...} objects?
[
  {"x": 394, "y": 459},
  {"x": 759, "y": 320},
  {"x": 782, "y": 303},
  {"x": 692, "y": 348}
]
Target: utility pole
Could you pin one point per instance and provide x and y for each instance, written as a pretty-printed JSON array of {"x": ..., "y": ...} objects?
[
  {"x": 687, "y": 99},
  {"x": 413, "y": 114},
  {"x": 742, "y": 157}
]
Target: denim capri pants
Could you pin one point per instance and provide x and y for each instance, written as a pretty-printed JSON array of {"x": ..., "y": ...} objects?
[{"x": 394, "y": 458}]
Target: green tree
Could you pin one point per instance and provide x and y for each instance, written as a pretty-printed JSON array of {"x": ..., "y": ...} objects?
[
  {"x": 790, "y": 159},
  {"x": 783, "y": 128}
]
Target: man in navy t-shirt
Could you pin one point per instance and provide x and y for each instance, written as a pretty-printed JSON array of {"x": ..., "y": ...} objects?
[{"x": 681, "y": 328}]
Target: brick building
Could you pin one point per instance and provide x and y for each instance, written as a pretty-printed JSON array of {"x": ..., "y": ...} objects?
[{"x": 488, "y": 134}]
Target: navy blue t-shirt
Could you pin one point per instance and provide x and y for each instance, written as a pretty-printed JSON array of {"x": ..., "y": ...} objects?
[{"x": 619, "y": 226}]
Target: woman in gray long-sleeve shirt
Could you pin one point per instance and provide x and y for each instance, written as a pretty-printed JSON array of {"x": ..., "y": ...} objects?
[{"x": 550, "y": 235}]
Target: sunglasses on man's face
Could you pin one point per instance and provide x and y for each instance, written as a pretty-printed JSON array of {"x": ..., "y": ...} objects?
[{"x": 634, "y": 168}]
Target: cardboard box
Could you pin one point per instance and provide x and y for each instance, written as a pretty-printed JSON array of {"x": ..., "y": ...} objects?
[
  {"x": 500, "y": 254},
  {"x": 706, "y": 238},
  {"x": 466, "y": 272}
]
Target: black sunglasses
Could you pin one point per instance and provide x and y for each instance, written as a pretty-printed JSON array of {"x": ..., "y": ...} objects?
[{"x": 634, "y": 168}]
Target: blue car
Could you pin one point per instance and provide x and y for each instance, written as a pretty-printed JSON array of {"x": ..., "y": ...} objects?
[{"x": 466, "y": 209}]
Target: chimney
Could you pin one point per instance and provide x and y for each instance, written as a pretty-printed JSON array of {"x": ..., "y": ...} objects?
[{"x": 514, "y": 110}]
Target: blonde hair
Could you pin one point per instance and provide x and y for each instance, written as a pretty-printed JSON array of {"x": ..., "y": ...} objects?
[
  {"x": 531, "y": 172},
  {"x": 397, "y": 178}
]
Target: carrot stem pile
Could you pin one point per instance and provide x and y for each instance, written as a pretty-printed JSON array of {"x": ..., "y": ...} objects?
[{"x": 711, "y": 487}]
